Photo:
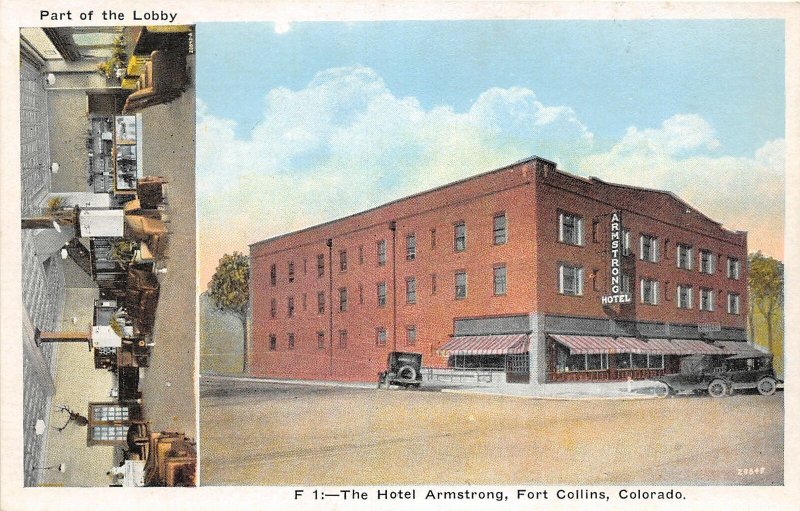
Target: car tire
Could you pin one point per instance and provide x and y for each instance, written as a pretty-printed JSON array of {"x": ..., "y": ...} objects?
[
  {"x": 663, "y": 390},
  {"x": 407, "y": 372},
  {"x": 717, "y": 388},
  {"x": 767, "y": 386}
]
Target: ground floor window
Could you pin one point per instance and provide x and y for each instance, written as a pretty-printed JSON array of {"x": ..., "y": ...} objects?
[
  {"x": 639, "y": 361},
  {"x": 477, "y": 361},
  {"x": 568, "y": 362}
]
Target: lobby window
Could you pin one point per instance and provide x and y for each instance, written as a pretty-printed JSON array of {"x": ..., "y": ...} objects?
[
  {"x": 290, "y": 341},
  {"x": 411, "y": 335},
  {"x": 290, "y": 271},
  {"x": 381, "y": 252},
  {"x": 460, "y": 237},
  {"x": 570, "y": 229},
  {"x": 433, "y": 283},
  {"x": 342, "y": 299},
  {"x": 342, "y": 338},
  {"x": 411, "y": 290},
  {"x": 273, "y": 308},
  {"x": 433, "y": 239},
  {"x": 273, "y": 275},
  {"x": 321, "y": 302},
  {"x": 499, "y": 278},
  {"x": 381, "y": 294},
  {"x": 706, "y": 299},
  {"x": 733, "y": 268},
  {"x": 626, "y": 242},
  {"x": 685, "y": 297},
  {"x": 320, "y": 340},
  {"x": 380, "y": 336},
  {"x": 648, "y": 248},
  {"x": 290, "y": 306},
  {"x": 570, "y": 280},
  {"x": 733, "y": 303},
  {"x": 411, "y": 247},
  {"x": 683, "y": 256},
  {"x": 500, "y": 229},
  {"x": 361, "y": 254},
  {"x": 706, "y": 261},
  {"x": 273, "y": 342},
  {"x": 649, "y": 291},
  {"x": 461, "y": 285},
  {"x": 320, "y": 265},
  {"x": 343, "y": 260}
]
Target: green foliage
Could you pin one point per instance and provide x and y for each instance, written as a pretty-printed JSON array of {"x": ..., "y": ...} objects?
[
  {"x": 122, "y": 252},
  {"x": 118, "y": 59},
  {"x": 55, "y": 204},
  {"x": 229, "y": 289},
  {"x": 766, "y": 280}
]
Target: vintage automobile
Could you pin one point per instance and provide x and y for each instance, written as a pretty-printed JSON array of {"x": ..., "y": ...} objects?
[
  {"x": 721, "y": 376},
  {"x": 403, "y": 369}
]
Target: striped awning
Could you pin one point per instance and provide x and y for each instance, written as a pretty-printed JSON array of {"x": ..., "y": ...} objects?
[
  {"x": 741, "y": 349},
  {"x": 583, "y": 344},
  {"x": 697, "y": 347},
  {"x": 485, "y": 345}
]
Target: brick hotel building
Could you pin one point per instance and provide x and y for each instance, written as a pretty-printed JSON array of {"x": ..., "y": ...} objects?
[{"x": 511, "y": 269}]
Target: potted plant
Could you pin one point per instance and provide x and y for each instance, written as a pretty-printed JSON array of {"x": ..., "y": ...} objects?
[
  {"x": 115, "y": 64},
  {"x": 122, "y": 252}
]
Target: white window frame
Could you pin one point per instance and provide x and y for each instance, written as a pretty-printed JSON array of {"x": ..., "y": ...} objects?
[
  {"x": 680, "y": 248},
  {"x": 653, "y": 294},
  {"x": 710, "y": 269},
  {"x": 653, "y": 248},
  {"x": 736, "y": 268},
  {"x": 689, "y": 293},
  {"x": 710, "y": 294},
  {"x": 626, "y": 242},
  {"x": 578, "y": 276},
  {"x": 411, "y": 247},
  {"x": 578, "y": 222},
  {"x": 737, "y": 303}
]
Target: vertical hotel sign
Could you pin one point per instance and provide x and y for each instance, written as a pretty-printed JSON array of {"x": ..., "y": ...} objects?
[{"x": 615, "y": 270}]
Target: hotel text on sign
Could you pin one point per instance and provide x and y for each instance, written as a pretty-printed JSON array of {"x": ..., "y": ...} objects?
[{"x": 615, "y": 251}]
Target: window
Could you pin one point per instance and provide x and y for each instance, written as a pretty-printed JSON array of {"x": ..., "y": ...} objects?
[
  {"x": 460, "y": 237},
  {"x": 380, "y": 336},
  {"x": 109, "y": 434},
  {"x": 706, "y": 299},
  {"x": 361, "y": 254},
  {"x": 499, "y": 280},
  {"x": 411, "y": 247},
  {"x": 570, "y": 229},
  {"x": 648, "y": 248},
  {"x": 733, "y": 303},
  {"x": 685, "y": 297},
  {"x": 649, "y": 291},
  {"x": 626, "y": 284},
  {"x": 342, "y": 299},
  {"x": 305, "y": 301},
  {"x": 500, "y": 231},
  {"x": 381, "y": 252},
  {"x": 381, "y": 294},
  {"x": 570, "y": 280},
  {"x": 683, "y": 256},
  {"x": 411, "y": 290},
  {"x": 433, "y": 283},
  {"x": 733, "y": 268},
  {"x": 595, "y": 231},
  {"x": 305, "y": 266},
  {"x": 461, "y": 285},
  {"x": 109, "y": 413},
  {"x": 320, "y": 340},
  {"x": 273, "y": 275},
  {"x": 706, "y": 261},
  {"x": 411, "y": 335},
  {"x": 290, "y": 306},
  {"x": 290, "y": 341},
  {"x": 626, "y": 242},
  {"x": 290, "y": 271},
  {"x": 342, "y": 338},
  {"x": 320, "y": 265},
  {"x": 360, "y": 294},
  {"x": 655, "y": 361},
  {"x": 273, "y": 308},
  {"x": 433, "y": 239},
  {"x": 567, "y": 362},
  {"x": 273, "y": 342},
  {"x": 595, "y": 280},
  {"x": 639, "y": 361},
  {"x": 343, "y": 260},
  {"x": 321, "y": 302}
]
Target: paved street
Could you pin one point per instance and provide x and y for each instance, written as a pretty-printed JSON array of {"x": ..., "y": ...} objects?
[{"x": 255, "y": 433}]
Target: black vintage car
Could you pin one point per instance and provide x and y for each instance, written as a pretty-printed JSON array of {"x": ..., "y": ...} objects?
[
  {"x": 721, "y": 376},
  {"x": 403, "y": 369}
]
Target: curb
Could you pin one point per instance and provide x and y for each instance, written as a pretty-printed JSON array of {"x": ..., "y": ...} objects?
[
  {"x": 552, "y": 398},
  {"x": 351, "y": 385}
]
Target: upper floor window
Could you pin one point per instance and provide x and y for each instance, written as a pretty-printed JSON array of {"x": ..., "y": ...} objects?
[
  {"x": 342, "y": 338},
  {"x": 648, "y": 248},
  {"x": 273, "y": 275},
  {"x": 320, "y": 340},
  {"x": 500, "y": 229},
  {"x": 290, "y": 341},
  {"x": 685, "y": 297},
  {"x": 499, "y": 277},
  {"x": 273, "y": 342},
  {"x": 570, "y": 279},
  {"x": 411, "y": 247},
  {"x": 343, "y": 260},
  {"x": 291, "y": 271},
  {"x": 361, "y": 254},
  {"x": 460, "y": 237},
  {"x": 706, "y": 261},
  {"x": 626, "y": 283},
  {"x": 706, "y": 299},
  {"x": 305, "y": 266},
  {"x": 649, "y": 291},
  {"x": 411, "y": 335},
  {"x": 626, "y": 242},
  {"x": 733, "y": 268},
  {"x": 433, "y": 239},
  {"x": 290, "y": 306},
  {"x": 321, "y": 302},
  {"x": 342, "y": 299},
  {"x": 381, "y": 247},
  {"x": 733, "y": 303},
  {"x": 570, "y": 229},
  {"x": 411, "y": 290},
  {"x": 320, "y": 265},
  {"x": 380, "y": 336},
  {"x": 461, "y": 285},
  {"x": 381, "y": 294},
  {"x": 433, "y": 283},
  {"x": 683, "y": 256},
  {"x": 273, "y": 308}
]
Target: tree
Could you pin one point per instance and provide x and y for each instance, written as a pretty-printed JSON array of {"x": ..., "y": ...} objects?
[
  {"x": 765, "y": 279},
  {"x": 229, "y": 291}
]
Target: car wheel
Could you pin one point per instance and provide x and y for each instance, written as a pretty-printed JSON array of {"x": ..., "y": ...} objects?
[
  {"x": 663, "y": 390},
  {"x": 717, "y": 388},
  {"x": 407, "y": 372},
  {"x": 767, "y": 386}
]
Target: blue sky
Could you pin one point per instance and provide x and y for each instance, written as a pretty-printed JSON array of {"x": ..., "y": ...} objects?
[{"x": 290, "y": 123}]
